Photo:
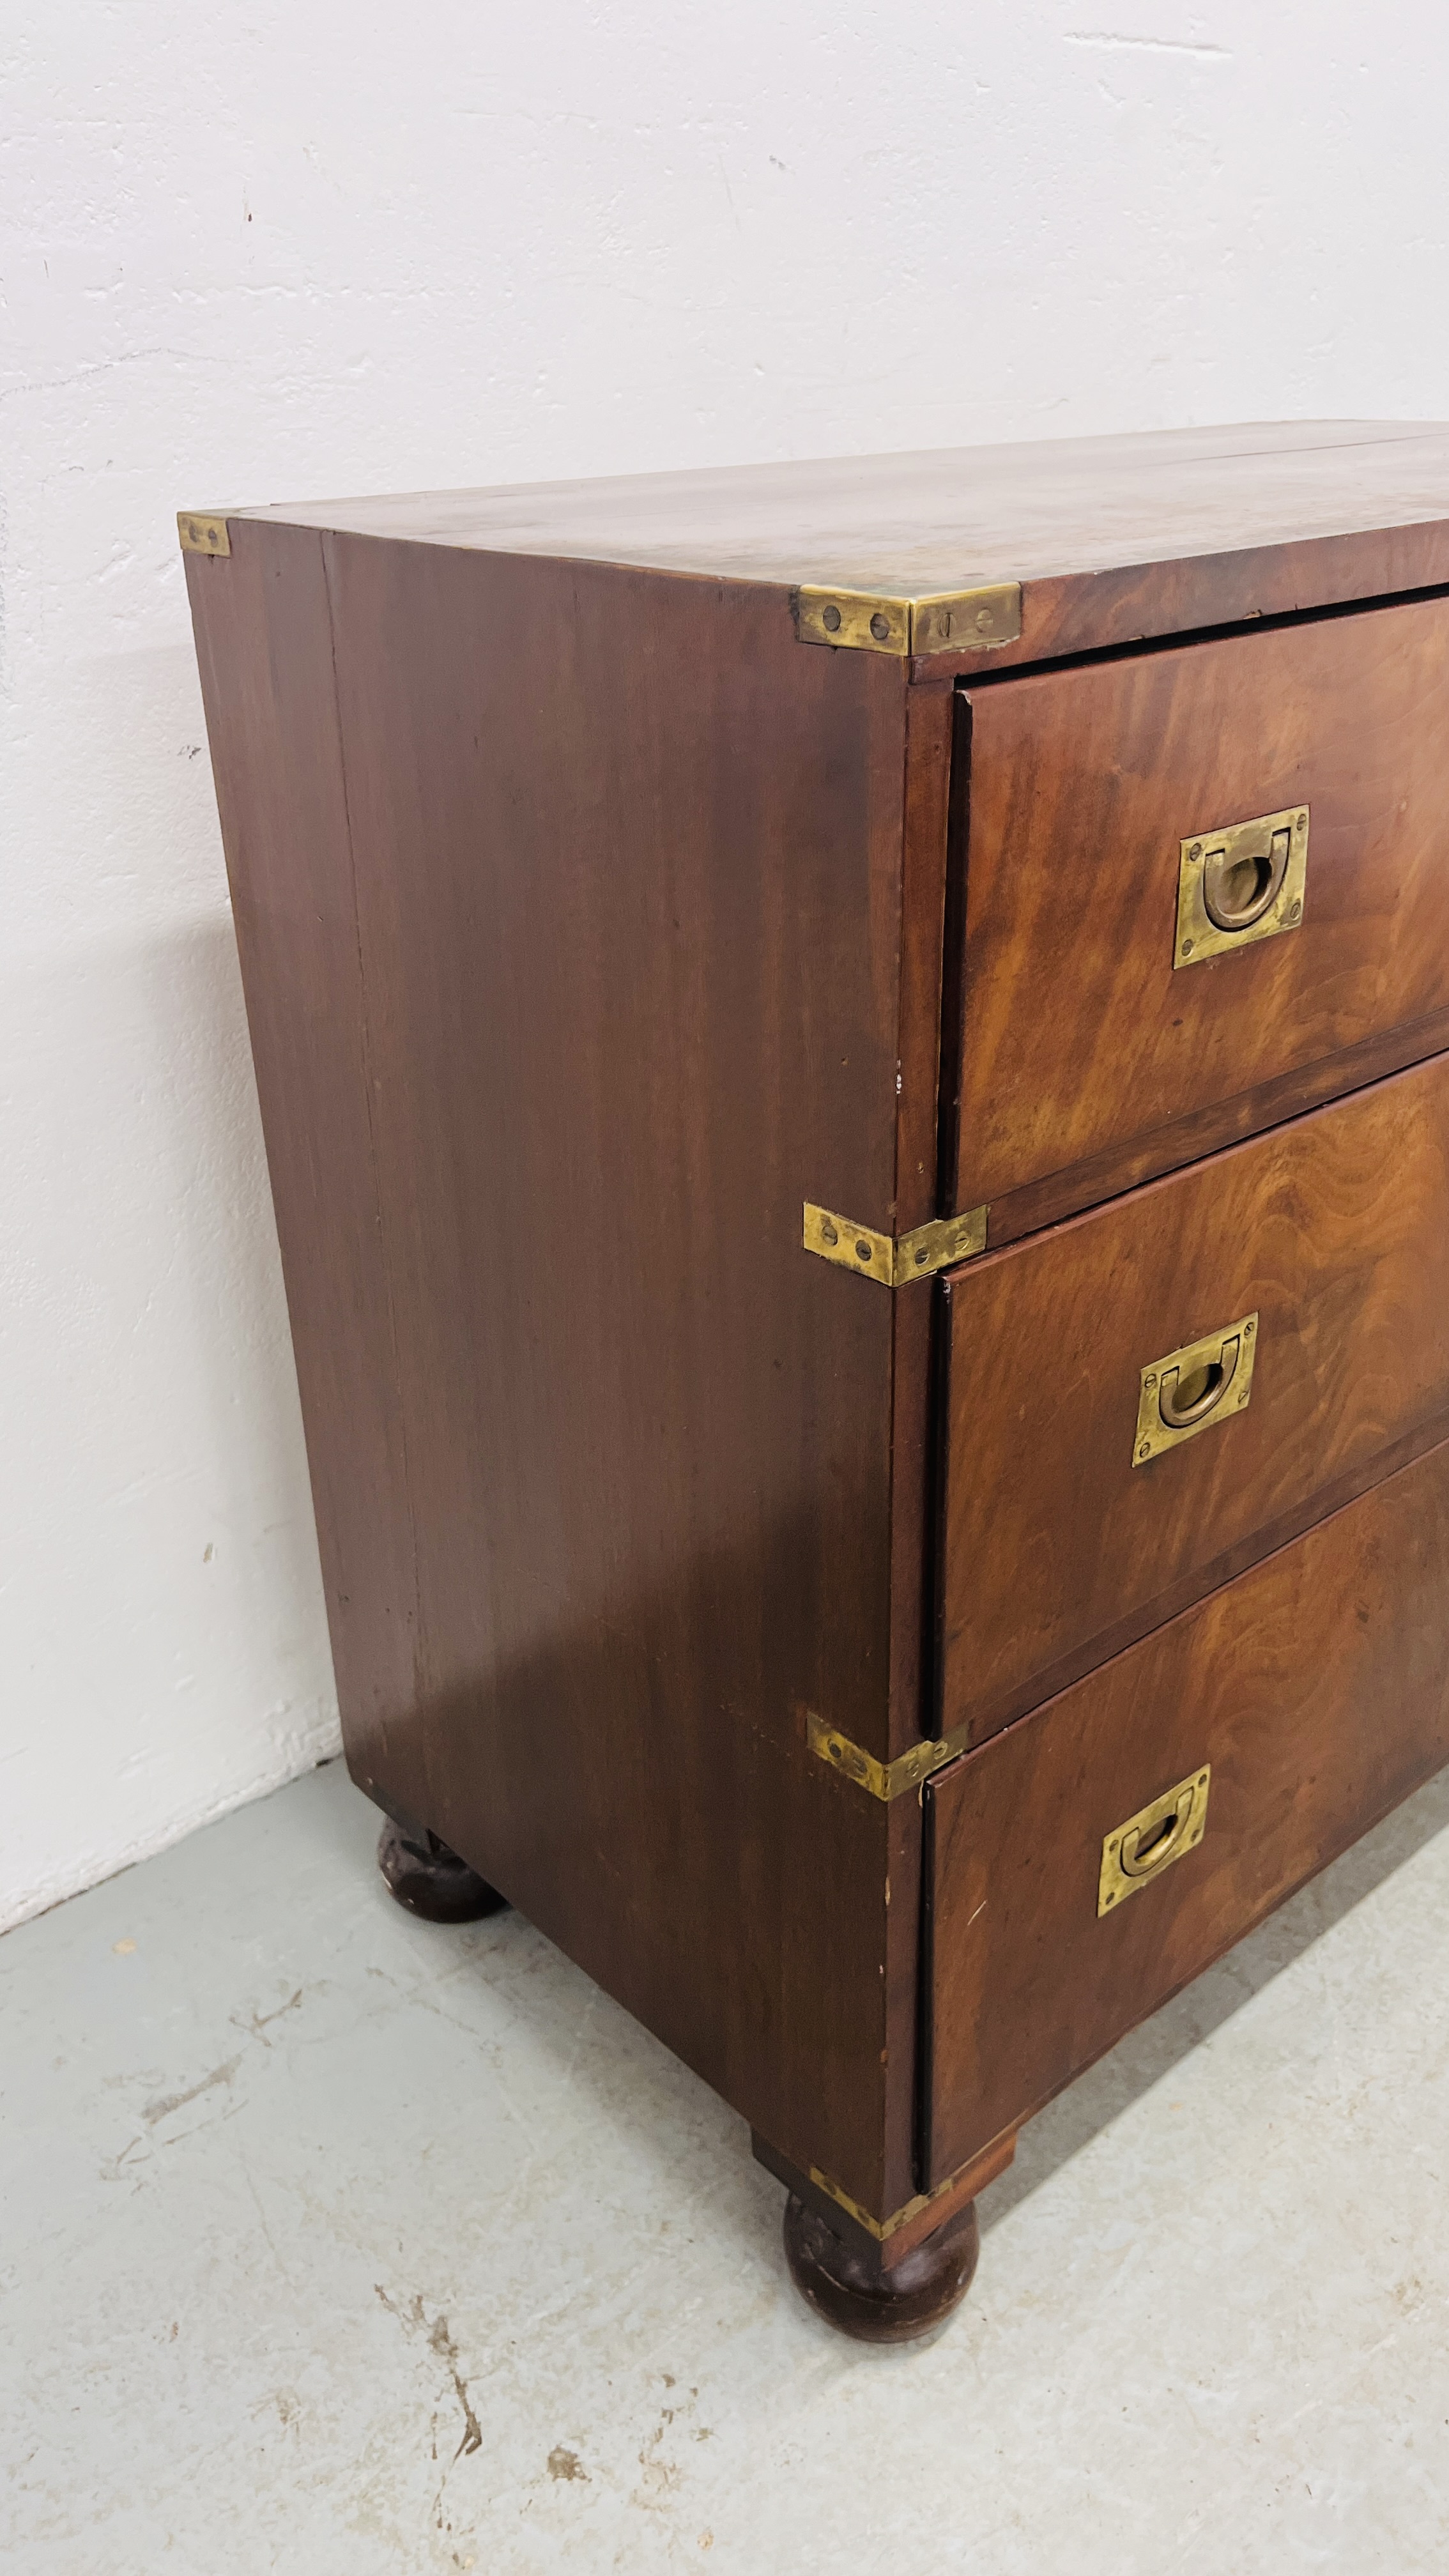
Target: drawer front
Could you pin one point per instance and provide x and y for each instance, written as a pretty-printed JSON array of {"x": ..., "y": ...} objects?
[
  {"x": 1329, "y": 1239},
  {"x": 1084, "y": 1044},
  {"x": 1313, "y": 1692}
]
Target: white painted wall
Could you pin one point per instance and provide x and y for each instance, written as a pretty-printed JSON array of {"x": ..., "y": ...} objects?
[{"x": 314, "y": 248}]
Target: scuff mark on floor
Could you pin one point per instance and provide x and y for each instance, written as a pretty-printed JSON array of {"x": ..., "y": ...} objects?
[
  {"x": 564, "y": 2463},
  {"x": 169, "y": 2102},
  {"x": 288, "y": 2405},
  {"x": 413, "y": 2320},
  {"x": 447, "y": 2350},
  {"x": 256, "y": 2023},
  {"x": 658, "y": 2478},
  {"x": 119, "y": 2168}
]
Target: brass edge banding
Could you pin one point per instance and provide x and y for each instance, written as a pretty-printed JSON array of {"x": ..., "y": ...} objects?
[
  {"x": 948, "y": 621},
  {"x": 872, "y": 1255},
  {"x": 881, "y": 2228},
  {"x": 203, "y": 532},
  {"x": 883, "y": 1780}
]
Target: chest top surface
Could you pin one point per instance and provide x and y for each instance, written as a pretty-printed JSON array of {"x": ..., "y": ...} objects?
[{"x": 953, "y": 518}]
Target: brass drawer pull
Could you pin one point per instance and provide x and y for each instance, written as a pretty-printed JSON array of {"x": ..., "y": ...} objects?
[
  {"x": 1187, "y": 1392},
  {"x": 1138, "y": 1858},
  {"x": 1240, "y": 883},
  {"x": 1191, "y": 1398},
  {"x": 1149, "y": 1842}
]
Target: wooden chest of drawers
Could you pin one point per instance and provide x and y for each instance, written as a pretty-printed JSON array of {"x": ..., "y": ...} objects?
[{"x": 1019, "y": 878}]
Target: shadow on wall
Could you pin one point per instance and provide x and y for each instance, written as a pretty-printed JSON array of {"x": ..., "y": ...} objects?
[
  {"x": 229, "y": 1276},
  {"x": 166, "y": 1650}
]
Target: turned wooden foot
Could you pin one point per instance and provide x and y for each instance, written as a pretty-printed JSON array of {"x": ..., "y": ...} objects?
[
  {"x": 857, "y": 2290},
  {"x": 429, "y": 1879}
]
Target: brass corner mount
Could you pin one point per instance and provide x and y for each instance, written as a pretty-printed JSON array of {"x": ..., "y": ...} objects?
[
  {"x": 884, "y": 1780},
  {"x": 203, "y": 532},
  {"x": 951, "y": 621},
  {"x": 890, "y": 1259}
]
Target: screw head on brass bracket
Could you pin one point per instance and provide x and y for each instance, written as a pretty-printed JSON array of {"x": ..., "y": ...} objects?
[
  {"x": 203, "y": 532},
  {"x": 872, "y": 1255},
  {"x": 951, "y": 621}
]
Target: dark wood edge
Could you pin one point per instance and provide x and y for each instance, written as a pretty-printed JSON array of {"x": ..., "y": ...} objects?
[
  {"x": 1179, "y": 639},
  {"x": 1083, "y": 1187},
  {"x": 926, "y": 2007},
  {"x": 964, "y": 2186},
  {"x": 1135, "y": 604},
  {"x": 930, "y": 730},
  {"x": 822, "y": 2202},
  {"x": 386, "y": 1805},
  {"x": 993, "y": 1715},
  {"x": 937, "y": 1533},
  {"x": 953, "y": 966},
  {"x": 904, "y": 2003}
]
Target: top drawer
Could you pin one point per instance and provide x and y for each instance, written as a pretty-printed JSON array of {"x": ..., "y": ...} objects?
[{"x": 1090, "y": 1059}]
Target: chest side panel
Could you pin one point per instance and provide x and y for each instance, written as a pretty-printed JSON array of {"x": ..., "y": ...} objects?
[
  {"x": 617, "y": 901},
  {"x": 264, "y": 645}
]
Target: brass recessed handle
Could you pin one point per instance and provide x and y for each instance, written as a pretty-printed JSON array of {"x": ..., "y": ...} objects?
[
  {"x": 1144, "y": 1848},
  {"x": 1190, "y": 1389},
  {"x": 1189, "y": 1396},
  {"x": 1239, "y": 885},
  {"x": 1144, "y": 1845}
]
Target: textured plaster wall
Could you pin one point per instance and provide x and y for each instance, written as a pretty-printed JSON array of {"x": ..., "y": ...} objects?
[{"x": 269, "y": 252}]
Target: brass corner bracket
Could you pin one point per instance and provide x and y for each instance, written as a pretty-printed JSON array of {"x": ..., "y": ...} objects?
[
  {"x": 891, "y": 1260},
  {"x": 948, "y": 621},
  {"x": 883, "y": 1780},
  {"x": 203, "y": 532},
  {"x": 943, "y": 2199}
]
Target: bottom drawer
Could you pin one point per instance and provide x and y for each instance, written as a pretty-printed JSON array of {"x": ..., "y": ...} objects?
[{"x": 1313, "y": 1693}]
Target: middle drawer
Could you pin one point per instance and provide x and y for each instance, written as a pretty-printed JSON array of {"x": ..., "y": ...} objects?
[{"x": 1310, "y": 1269}]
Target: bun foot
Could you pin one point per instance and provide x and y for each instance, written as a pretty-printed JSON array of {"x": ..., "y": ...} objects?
[
  {"x": 878, "y": 2302},
  {"x": 429, "y": 1879}
]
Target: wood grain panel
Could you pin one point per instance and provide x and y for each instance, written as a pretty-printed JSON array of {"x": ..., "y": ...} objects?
[
  {"x": 264, "y": 644},
  {"x": 1318, "y": 1688},
  {"x": 1080, "y": 1039},
  {"x": 1058, "y": 1548},
  {"x": 590, "y": 979},
  {"x": 1208, "y": 1130}
]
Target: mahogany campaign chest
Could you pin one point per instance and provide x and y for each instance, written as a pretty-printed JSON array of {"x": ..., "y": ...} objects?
[{"x": 855, "y": 1065}]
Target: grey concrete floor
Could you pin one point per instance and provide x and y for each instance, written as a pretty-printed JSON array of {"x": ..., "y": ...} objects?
[{"x": 337, "y": 2243}]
